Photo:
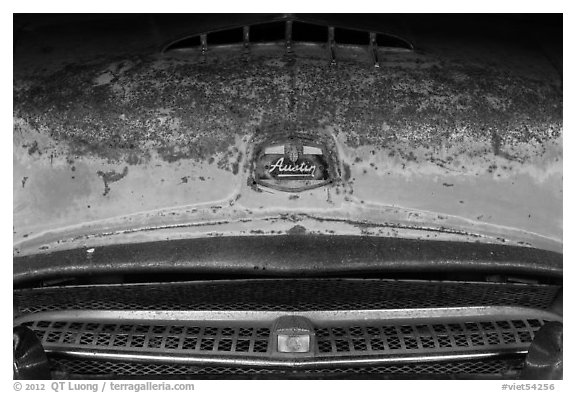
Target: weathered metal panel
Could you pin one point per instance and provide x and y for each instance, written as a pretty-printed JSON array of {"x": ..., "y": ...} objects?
[{"x": 106, "y": 152}]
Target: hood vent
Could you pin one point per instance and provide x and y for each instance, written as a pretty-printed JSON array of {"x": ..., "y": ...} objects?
[{"x": 286, "y": 32}]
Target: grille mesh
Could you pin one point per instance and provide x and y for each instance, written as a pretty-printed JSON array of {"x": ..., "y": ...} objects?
[
  {"x": 94, "y": 368},
  {"x": 285, "y": 295}
]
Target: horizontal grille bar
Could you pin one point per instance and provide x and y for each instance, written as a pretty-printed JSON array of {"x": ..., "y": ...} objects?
[{"x": 292, "y": 295}]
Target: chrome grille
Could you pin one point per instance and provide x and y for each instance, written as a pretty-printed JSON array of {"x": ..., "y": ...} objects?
[
  {"x": 423, "y": 338},
  {"x": 228, "y": 325},
  {"x": 97, "y": 368},
  {"x": 285, "y": 295},
  {"x": 333, "y": 339},
  {"x": 170, "y": 339}
]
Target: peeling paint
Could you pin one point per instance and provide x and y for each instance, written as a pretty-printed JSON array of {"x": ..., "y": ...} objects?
[{"x": 197, "y": 110}]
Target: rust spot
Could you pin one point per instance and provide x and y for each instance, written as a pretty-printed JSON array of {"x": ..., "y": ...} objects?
[
  {"x": 236, "y": 164},
  {"x": 346, "y": 172},
  {"x": 111, "y": 177},
  {"x": 296, "y": 230},
  {"x": 133, "y": 159},
  {"x": 33, "y": 148}
]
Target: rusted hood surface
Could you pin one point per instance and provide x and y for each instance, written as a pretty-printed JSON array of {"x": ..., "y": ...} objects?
[{"x": 150, "y": 147}]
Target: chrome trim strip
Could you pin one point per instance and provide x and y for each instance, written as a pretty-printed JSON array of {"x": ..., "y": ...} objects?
[
  {"x": 285, "y": 361},
  {"x": 393, "y": 315},
  {"x": 251, "y": 280}
]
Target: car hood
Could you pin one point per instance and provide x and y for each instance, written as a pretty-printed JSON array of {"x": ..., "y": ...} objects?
[{"x": 152, "y": 147}]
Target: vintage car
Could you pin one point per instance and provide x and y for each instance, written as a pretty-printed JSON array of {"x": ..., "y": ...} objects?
[{"x": 286, "y": 196}]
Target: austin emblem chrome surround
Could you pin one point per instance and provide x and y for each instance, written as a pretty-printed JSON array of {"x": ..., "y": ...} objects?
[{"x": 294, "y": 163}]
